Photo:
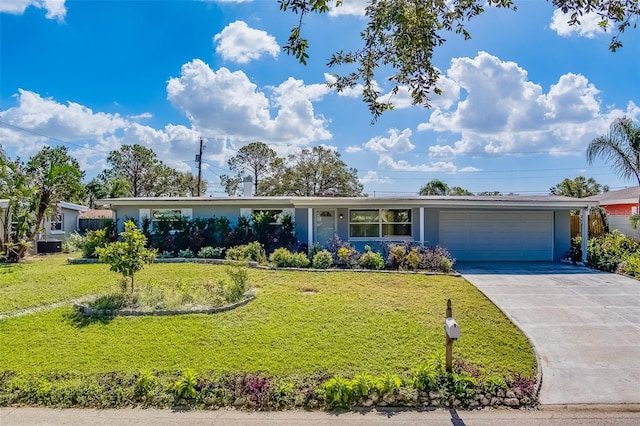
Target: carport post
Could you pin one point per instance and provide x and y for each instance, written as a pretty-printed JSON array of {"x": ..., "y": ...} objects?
[
  {"x": 309, "y": 229},
  {"x": 585, "y": 233}
]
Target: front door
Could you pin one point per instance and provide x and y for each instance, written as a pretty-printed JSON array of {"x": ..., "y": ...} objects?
[{"x": 325, "y": 226}]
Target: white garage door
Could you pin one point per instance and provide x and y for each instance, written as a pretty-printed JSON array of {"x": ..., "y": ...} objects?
[{"x": 480, "y": 235}]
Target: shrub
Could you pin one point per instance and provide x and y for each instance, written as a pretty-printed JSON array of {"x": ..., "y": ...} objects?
[
  {"x": 234, "y": 291},
  {"x": 92, "y": 241},
  {"x": 283, "y": 258},
  {"x": 526, "y": 385},
  {"x": 494, "y": 384},
  {"x": 397, "y": 254},
  {"x": 211, "y": 252},
  {"x": 436, "y": 259},
  {"x": 413, "y": 258},
  {"x": 608, "y": 251},
  {"x": 322, "y": 260},
  {"x": 371, "y": 260},
  {"x": 348, "y": 256},
  {"x": 388, "y": 384},
  {"x": 252, "y": 251},
  {"x": 362, "y": 385},
  {"x": 632, "y": 265},
  {"x": 338, "y": 392},
  {"x": 186, "y": 253},
  {"x": 165, "y": 255},
  {"x": 185, "y": 388},
  {"x": 146, "y": 384},
  {"x": 74, "y": 242},
  {"x": 575, "y": 251}
]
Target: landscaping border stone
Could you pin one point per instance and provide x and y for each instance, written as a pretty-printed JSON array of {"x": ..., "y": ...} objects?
[
  {"x": 250, "y": 264},
  {"x": 100, "y": 313}
]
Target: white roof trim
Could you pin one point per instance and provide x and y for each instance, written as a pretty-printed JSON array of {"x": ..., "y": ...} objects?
[
  {"x": 72, "y": 206},
  {"x": 4, "y": 204},
  {"x": 515, "y": 202}
]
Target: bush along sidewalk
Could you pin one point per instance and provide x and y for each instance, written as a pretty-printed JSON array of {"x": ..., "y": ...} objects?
[{"x": 425, "y": 387}]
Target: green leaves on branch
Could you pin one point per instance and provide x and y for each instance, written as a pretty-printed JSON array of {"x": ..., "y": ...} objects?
[
  {"x": 401, "y": 35},
  {"x": 618, "y": 14}
]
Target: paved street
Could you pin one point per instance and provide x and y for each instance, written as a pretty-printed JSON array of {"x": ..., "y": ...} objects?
[
  {"x": 584, "y": 324},
  {"x": 592, "y": 415}
]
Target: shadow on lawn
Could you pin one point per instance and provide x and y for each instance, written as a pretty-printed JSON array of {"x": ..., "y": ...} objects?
[{"x": 79, "y": 320}]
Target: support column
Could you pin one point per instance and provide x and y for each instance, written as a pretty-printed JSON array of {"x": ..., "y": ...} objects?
[
  {"x": 585, "y": 233},
  {"x": 310, "y": 228},
  {"x": 421, "y": 227}
]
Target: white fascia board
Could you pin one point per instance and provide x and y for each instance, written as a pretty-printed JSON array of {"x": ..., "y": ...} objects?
[
  {"x": 4, "y": 204},
  {"x": 355, "y": 202},
  {"x": 72, "y": 206}
]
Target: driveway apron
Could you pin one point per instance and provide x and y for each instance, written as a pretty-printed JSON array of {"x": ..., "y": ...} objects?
[{"x": 584, "y": 325}]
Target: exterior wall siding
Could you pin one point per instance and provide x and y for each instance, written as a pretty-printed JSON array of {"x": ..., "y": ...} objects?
[
  {"x": 69, "y": 225},
  {"x": 561, "y": 233},
  {"x": 620, "y": 209}
]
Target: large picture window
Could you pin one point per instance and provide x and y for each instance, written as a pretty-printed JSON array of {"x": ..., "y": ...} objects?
[{"x": 380, "y": 223}]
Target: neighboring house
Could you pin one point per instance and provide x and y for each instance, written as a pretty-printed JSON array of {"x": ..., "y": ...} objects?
[
  {"x": 63, "y": 221},
  {"x": 620, "y": 205},
  {"x": 535, "y": 228}
]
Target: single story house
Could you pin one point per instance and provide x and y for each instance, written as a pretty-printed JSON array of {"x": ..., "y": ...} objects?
[
  {"x": 63, "y": 221},
  {"x": 472, "y": 228},
  {"x": 620, "y": 205}
]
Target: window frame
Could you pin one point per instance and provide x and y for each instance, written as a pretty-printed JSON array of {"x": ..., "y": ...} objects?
[
  {"x": 381, "y": 222},
  {"x": 57, "y": 224}
]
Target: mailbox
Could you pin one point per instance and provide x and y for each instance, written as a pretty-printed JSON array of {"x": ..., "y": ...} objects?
[{"x": 452, "y": 328}]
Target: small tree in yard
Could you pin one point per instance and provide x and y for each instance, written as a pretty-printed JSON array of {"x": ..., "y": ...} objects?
[{"x": 129, "y": 255}]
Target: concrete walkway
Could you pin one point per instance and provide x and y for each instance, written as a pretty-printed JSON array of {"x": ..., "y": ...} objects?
[{"x": 584, "y": 324}]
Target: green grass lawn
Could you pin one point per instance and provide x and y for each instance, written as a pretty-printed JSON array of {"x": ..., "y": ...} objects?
[{"x": 354, "y": 322}]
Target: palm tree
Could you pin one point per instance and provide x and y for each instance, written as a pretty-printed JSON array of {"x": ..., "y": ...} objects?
[{"x": 621, "y": 148}]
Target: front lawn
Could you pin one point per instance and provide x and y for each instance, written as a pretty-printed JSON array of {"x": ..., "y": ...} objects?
[{"x": 300, "y": 323}]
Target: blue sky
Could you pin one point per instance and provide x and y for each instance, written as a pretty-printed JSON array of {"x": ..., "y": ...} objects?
[{"x": 522, "y": 98}]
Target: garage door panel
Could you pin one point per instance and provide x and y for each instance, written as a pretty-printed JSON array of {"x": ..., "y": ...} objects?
[{"x": 481, "y": 235}]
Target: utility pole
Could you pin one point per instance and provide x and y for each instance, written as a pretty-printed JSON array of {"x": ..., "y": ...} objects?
[{"x": 199, "y": 160}]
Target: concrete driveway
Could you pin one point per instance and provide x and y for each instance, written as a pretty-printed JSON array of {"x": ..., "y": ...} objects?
[{"x": 584, "y": 324}]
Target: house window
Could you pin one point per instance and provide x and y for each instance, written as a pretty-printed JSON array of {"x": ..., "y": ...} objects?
[
  {"x": 166, "y": 214},
  {"x": 57, "y": 222},
  {"x": 164, "y": 219},
  {"x": 380, "y": 223},
  {"x": 274, "y": 215}
]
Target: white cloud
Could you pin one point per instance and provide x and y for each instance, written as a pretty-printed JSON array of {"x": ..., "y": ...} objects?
[
  {"x": 395, "y": 143},
  {"x": 225, "y": 103},
  {"x": 589, "y": 25},
  {"x": 373, "y": 177},
  {"x": 469, "y": 169},
  {"x": 89, "y": 135},
  {"x": 353, "y": 149},
  {"x": 349, "y": 92},
  {"x": 239, "y": 43},
  {"x": 403, "y": 99},
  {"x": 387, "y": 162},
  {"x": 400, "y": 100},
  {"x": 349, "y": 7},
  {"x": 56, "y": 9},
  {"x": 505, "y": 112},
  {"x": 70, "y": 121}
]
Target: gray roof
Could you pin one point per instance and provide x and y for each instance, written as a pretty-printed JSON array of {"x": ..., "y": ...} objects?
[
  {"x": 515, "y": 201},
  {"x": 621, "y": 196}
]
